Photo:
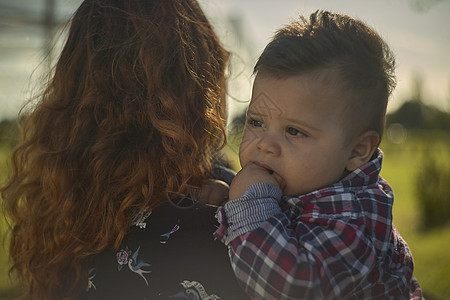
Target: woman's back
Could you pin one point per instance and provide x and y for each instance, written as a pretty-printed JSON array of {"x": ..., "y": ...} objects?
[{"x": 173, "y": 256}]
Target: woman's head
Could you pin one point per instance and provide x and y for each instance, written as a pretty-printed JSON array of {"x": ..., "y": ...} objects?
[
  {"x": 135, "y": 106},
  {"x": 149, "y": 75}
]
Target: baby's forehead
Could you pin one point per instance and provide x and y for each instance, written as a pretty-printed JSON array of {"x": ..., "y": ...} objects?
[
  {"x": 318, "y": 84},
  {"x": 273, "y": 95},
  {"x": 319, "y": 96}
]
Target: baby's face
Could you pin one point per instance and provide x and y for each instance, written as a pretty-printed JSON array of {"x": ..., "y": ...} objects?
[{"x": 295, "y": 128}]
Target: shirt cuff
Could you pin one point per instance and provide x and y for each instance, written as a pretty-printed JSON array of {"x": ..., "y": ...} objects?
[{"x": 247, "y": 213}]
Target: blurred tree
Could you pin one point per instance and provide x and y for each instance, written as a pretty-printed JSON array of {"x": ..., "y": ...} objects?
[
  {"x": 433, "y": 190},
  {"x": 423, "y": 6},
  {"x": 415, "y": 114}
]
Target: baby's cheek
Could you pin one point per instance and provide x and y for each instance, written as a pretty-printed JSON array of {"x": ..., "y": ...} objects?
[
  {"x": 243, "y": 158},
  {"x": 246, "y": 146}
]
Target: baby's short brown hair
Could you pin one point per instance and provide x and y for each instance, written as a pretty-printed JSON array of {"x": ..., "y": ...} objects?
[{"x": 347, "y": 47}]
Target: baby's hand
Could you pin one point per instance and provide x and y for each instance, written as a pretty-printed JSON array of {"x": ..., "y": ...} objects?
[
  {"x": 214, "y": 192},
  {"x": 250, "y": 174}
]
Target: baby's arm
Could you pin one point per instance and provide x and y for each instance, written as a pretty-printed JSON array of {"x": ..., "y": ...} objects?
[{"x": 274, "y": 257}]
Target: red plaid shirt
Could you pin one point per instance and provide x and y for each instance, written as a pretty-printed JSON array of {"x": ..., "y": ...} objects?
[{"x": 334, "y": 243}]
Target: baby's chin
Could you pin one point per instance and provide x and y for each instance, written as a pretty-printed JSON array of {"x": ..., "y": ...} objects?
[
  {"x": 283, "y": 185},
  {"x": 296, "y": 192}
]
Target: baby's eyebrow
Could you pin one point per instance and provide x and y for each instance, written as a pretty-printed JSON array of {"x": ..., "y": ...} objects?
[
  {"x": 303, "y": 124},
  {"x": 256, "y": 113},
  {"x": 252, "y": 113}
]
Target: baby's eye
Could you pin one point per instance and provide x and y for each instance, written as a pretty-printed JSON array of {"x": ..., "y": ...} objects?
[
  {"x": 294, "y": 131},
  {"x": 256, "y": 123}
]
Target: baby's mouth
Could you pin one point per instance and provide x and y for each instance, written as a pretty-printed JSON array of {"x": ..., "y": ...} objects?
[{"x": 264, "y": 166}]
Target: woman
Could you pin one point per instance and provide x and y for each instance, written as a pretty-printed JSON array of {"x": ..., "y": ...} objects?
[{"x": 124, "y": 134}]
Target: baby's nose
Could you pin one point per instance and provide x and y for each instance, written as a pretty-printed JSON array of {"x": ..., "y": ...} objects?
[{"x": 269, "y": 144}]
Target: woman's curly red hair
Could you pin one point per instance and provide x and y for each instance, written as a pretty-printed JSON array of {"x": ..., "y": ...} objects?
[{"x": 135, "y": 106}]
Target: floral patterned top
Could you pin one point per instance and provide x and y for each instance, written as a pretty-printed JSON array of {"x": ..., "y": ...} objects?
[{"x": 170, "y": 254}]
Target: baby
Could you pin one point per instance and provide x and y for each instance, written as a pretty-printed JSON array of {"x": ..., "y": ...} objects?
[{"x": 309, "y": 216}]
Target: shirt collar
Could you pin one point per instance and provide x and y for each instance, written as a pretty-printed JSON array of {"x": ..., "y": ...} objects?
[{"x": 366, "y": 175}]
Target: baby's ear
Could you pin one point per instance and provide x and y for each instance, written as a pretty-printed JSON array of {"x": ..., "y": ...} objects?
[{"x": 363, "y": 149}]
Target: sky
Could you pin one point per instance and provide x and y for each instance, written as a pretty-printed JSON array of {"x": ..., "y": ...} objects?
[{"x": 416, "y": 30}]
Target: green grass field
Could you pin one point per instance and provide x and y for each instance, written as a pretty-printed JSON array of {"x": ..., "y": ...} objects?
[
  {"x": 400, "y": 168},
  {"x": 8, "y": 289},
  {"x": 401, "y": 165}
]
